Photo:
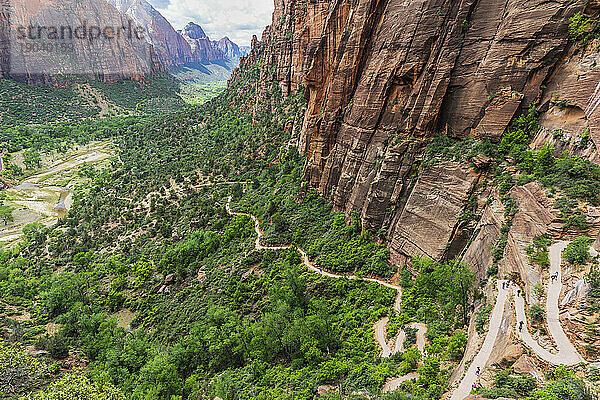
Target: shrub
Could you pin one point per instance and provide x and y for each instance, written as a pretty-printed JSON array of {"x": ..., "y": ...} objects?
[
  {"x": 538, "y": 251},
  {"x": 578, "y": 251},
  {"x": 57, "y": 346},
  {"x": 77, "y": 387},
  {"x": 579, "y": 26},
  {"x": 456, "y": 345},
  {"x": 483, "y": 316},
  {"x": 510, "y": 385},
  {"x": 536, "y": 313},
  {"x": 593, "y": 278}
]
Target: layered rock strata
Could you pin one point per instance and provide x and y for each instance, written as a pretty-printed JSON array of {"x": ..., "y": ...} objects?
[{"x": 382, "y": 78}]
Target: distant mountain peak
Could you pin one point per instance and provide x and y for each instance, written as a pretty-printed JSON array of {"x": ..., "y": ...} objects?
[{"x": 194, "y": 31}]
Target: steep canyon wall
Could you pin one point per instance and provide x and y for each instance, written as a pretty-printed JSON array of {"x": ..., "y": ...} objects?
[{"x": 382, "y": 77}]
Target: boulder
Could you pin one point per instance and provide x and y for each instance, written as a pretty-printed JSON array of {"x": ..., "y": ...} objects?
[
  {"x": 526, "y": 365},
  {"x": 169, "y": 279}
]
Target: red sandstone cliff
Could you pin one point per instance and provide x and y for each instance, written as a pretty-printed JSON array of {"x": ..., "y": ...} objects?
[
  {"x": 171, "y": 48},
  {"x": 383, "y": 76},
  {"x": 40, "y": 54}
]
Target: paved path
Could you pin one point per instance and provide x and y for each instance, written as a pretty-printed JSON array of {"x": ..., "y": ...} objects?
[
  {"x": 381, "y": 337},
  {"x": 481, "y": 359},
  {"x": 395, "y": 383},
  {"x": 566, "y": 353}
]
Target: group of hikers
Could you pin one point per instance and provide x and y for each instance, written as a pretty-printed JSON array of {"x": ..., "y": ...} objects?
[{"x": 505, "y": 286}]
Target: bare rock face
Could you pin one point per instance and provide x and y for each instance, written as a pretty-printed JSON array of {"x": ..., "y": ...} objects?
[
  {"x": 171, "y": 48},
  {"x": 479, "y": 253},
  {"x": 194, "y": 31},
  {"x": 202, "y": 48},
  {"x": 429, "y": 219},
  {"x": 382, "y": 77},
  {"x": 71, "y": 37},
  {"x": 572, "y": 99},
  {"x": 4, "y": 38},
  {"x": 527, "y": 366},
  {"x": 228, "y": 48},
  {"x": 506, "y": 349}
]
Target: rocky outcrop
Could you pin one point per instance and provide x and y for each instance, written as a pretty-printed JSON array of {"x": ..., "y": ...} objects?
[
  {"x": 202, "y": 48},
  {"x": 4, "y": 38},
  {"x": 527, "y": 366},
  {"x": 171, "y": 48},
  {"x": 228, "y": 48},
  {"x": 536, "y": 216},
  {"x": 382, "y": 77},
  {"x": 479, "y": 253}
]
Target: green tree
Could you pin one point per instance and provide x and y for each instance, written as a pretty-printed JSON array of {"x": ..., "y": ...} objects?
[
  {"x": 578, "y": 251},
  {"x": 460, "y": 282},
  {"x": 32, "y": 159},
  {"x": 77, "y": 387},
  {"x": 457, "y": 345},
  {"x": 6, "y": 214}
]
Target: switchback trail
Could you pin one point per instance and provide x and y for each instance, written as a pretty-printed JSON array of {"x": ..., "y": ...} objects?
[
  {"x": 482, "y": 357},
  {"x": 380, "y": 326},
  {"x": 566, "y": 353}
]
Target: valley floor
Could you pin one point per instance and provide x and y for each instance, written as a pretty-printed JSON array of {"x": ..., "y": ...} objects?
[{"x": 47, "y": 194}]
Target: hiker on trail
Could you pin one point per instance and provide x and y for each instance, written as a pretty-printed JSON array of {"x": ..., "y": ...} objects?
[
  {"x": 478, "y": 370},
  {"x": 520, "y": 326},
  {"x": 554, "y": 276},
  {"x": 518, "y": 292}
]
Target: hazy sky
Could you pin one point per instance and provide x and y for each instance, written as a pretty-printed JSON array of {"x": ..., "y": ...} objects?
[{"x": 238, "y": 19}]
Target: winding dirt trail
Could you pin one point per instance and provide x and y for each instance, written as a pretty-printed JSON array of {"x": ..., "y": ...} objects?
[{"x": 380, "y": 327}]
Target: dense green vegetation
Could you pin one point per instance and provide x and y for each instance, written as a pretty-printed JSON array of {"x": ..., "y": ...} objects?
[
  {"x": 234, "y": 322},
  {"x": 572, "y": 180},
  {"x": 70, "y": 100},
  {"x": 583, "y": 28},
  {"x": 150, "y": 238},
  {"x": 578, "y": 251},
  {"x": 20, "y": 372},
  {"x": 37, "y": 104},
  {"x": 155, "y": 95},
  {"x": 509, "y": 384},
  {"x": 562, "y": 384}
]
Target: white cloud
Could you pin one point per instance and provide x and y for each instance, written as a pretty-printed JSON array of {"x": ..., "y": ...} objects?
[{"x": 238, "y": 19}]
